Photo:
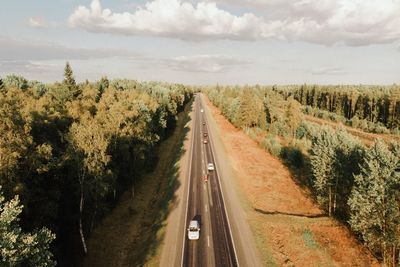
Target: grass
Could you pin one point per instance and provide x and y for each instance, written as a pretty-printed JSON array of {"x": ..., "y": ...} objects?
[{"x": 308, "y": 238}]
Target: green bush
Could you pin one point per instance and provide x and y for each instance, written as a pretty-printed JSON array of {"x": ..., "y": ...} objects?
[{"x": 272, "y": 145}]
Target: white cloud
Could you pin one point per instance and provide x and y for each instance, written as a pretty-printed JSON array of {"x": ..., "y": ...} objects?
[
  {"x": 204, "y": 63},
  {"x": 356, "y": 22},
  {"x": 172, "y": 18},
  {"x": 37, "y": 22}
]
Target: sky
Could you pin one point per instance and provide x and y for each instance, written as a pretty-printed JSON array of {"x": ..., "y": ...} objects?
[{"x": 203, "y": 42}]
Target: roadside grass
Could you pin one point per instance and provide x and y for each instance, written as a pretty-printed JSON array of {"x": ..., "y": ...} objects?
[
  {"x": 308, "y": 239},
  {"x": 132, "y": 235}
]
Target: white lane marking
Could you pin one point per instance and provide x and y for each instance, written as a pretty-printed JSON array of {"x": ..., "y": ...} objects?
[
  {"x": 208, "y": 241},
  {"x": 206, "y": 208},
  {"x": 204, "y": 186}
]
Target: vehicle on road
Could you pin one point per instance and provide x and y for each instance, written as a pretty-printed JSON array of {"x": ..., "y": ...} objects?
[
  {"x": 205, "y": 141},
  {"x": 205, "y": 134},
  {"x": 194, "y": 230},
  {"x": 201, "y": 110},
  {"x": 204, "y": 123},
  {"x": 210, "y": 167}
]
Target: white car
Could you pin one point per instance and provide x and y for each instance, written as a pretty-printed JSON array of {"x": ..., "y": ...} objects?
[
  {"x": 210, "y": 167},
  {"x": 194, "y": 230},
  {"x": 201, "y": 110}
]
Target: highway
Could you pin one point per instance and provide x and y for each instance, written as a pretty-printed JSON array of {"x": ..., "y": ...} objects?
[{"x": 205, "y": 203}]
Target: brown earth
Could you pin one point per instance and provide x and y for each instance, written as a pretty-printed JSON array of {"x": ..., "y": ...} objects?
[{"x": 280, "y": 210}]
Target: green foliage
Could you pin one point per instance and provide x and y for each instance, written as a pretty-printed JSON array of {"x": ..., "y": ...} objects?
[
  {"x": 374, "y": 201},
  {"x": 90, "y": 143},
  {"x": 15, "y": 81},
  {"x": 293, "y": 115},
  {"x": 18, "y": 248},
  {"x": 272, "y": 145},
  {"x": 374, "y": 104},
  {"x": 69, "y": 82}
]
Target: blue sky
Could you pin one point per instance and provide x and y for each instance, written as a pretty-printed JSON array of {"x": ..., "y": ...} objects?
[{"x": 204, "y": 42}]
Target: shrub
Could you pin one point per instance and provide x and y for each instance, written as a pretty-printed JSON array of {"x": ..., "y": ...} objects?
[{"x": 272, "y": 145}]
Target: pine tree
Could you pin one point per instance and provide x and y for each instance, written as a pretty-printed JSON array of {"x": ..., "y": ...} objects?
[
  {"x": 19, "y": 248},
  {"x": 374, "y": 202},
  {"x": 69, "y": 81}
]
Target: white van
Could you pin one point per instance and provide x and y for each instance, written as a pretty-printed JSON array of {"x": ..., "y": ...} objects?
[{"x": 194, "y": 230}]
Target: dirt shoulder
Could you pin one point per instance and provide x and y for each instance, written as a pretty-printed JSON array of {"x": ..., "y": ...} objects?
[
  {"x": 290, "y": 230},
  {"x": 133, "y": 233}
]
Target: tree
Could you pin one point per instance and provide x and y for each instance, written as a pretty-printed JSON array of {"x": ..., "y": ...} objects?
[
  {"x": 293, "y": 115},
  {"x": 103, "y": 85},
  {"x": 16, "y": 81},
  {"x": 18, "y": 248},
  {"x": 89, "y": 151},
  {"x": 69, "y": 80},
  {"x": 374, "y": 202},
  {"x": 322, "y": 158},
  {"x": 247, "y": 113}
]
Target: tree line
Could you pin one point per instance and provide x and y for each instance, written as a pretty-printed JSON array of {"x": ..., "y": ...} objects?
[
  {"x": 356, "y": 184},
  {"x": 376, "y": 104},
  {"x": 68, "y": 150}
]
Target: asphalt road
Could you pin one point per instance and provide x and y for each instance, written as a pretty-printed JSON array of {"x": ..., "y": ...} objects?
[{"x": 205, "y": 203}]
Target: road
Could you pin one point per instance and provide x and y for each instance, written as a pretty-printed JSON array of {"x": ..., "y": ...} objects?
[
  {"x": 225, "y": 235},
  {"x": 205, "y": 203}
]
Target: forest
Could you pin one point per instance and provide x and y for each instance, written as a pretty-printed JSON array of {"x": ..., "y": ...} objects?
[
  {"x": 372, "y": 108},
  {"x": 357, "y": 184},
  {"x": 67, "y": 152}
]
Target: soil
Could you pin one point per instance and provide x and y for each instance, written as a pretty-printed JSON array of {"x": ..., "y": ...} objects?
[{"x": 289, "y": 228}]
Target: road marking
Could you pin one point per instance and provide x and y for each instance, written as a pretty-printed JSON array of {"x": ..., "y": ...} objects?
[
  {"x": 208, "y": 241},
  {"x": 204, "y": 186},
  {"x": 206, "y": 208}
]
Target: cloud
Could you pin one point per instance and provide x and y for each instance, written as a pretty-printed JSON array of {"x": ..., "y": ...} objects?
[
  {"x": 328, "y": 71},
  {"x": 204, "y": 63},
  {"x": 172, "y": 18},
  {"x": 22, "y": 50},
  {"x": 37, "y": 22},
  {"x": 328, "y": 22},
  {"x": 22, "y": 66}
]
